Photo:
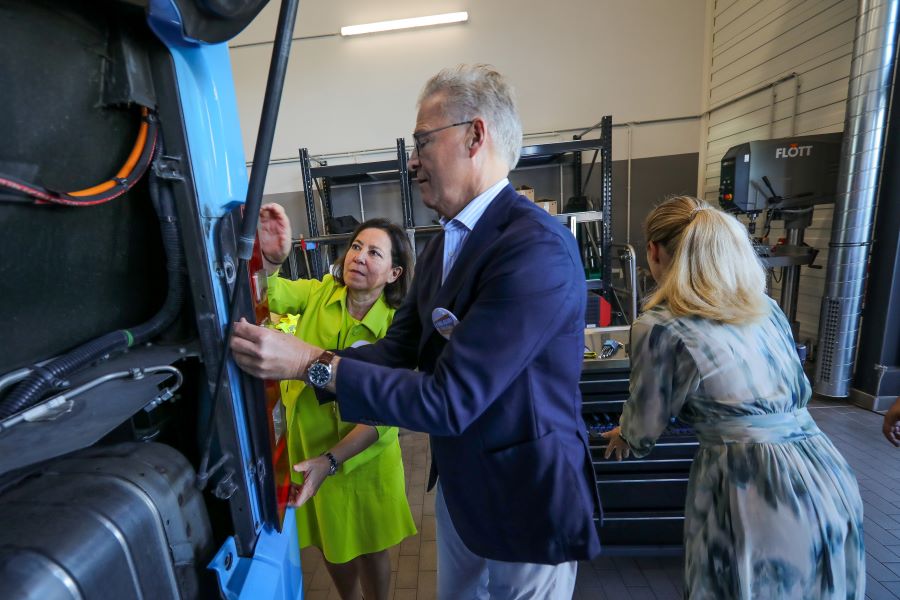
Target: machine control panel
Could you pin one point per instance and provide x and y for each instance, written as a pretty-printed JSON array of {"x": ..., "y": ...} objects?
[{"x": 782, "y": 173}]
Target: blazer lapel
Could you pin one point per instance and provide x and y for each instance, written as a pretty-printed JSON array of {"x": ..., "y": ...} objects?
[
  {"x": 486, "y": 231},
  {"x": 428, "y": 273}
]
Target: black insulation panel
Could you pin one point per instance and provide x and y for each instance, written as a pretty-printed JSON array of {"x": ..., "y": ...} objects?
[{"x": 70, "y": 274}]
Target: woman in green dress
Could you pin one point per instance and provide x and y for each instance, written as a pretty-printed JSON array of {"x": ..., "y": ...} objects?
[
  {"x": 773, "y": 510},
  {"x": 349, "y": 482}
]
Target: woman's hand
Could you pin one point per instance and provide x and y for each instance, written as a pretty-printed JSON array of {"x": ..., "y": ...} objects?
[
  {"x": 891, "y": 427},
  {"x": 274, "y": 231},
  {"x": 616, "y": 444},
  {"x": 314, "y": 470},
  {"x": 270, "y": 354}
]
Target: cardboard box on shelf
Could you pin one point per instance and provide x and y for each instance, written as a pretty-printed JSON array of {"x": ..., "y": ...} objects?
[
  {"x": 551, "y": 206},
  {"x": 526, "y": 191}
]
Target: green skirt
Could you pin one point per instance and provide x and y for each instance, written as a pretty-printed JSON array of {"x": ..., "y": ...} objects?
[{"x": 363, "y": 507}]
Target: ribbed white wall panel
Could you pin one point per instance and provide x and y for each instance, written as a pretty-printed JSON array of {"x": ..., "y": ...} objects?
[{"x": 759, "y": 41}]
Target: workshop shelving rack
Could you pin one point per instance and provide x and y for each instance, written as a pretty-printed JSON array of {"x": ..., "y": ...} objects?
[{"x": 323, "y": 178}]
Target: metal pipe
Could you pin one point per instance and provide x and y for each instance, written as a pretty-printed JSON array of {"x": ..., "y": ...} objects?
[
  {"x": 558, "y": 132},
  {"x": 362, "y": 208},
  {"x": 562, "y": 202},
  {"x": 337, "y": 238},
  {"x": 592, "y": 242},
  {"x": 629, "y": 255},
  {"x": 796, "y": 104},
  {"x": 331, "y": 238},
  {"x": 409, "y": 218},
  {"x": 18, "y": 375},
  {"x": 299, "y": 38},
  {"x": 790, "y": 283},
  {"x": 772, "y": 102},
  {"x": 364, "y": 184},
  {"x": 754, "y": 91},
  {"x": 572, "y": 222},
  {"x": 543, "y": 134},
  {"x": 628, "y": 189},
  {"x": 862, "y": 150},
  {"x": 44, "y": 408}
]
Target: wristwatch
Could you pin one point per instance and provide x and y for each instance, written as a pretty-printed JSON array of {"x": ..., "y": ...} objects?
[{"x": 319, "y": 371}]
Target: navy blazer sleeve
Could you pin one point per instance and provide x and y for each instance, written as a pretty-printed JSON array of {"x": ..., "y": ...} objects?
[{"x": 524, "y": 296}]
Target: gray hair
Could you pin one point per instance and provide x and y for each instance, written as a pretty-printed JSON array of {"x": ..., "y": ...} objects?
[{"x": 480, "y": 91}]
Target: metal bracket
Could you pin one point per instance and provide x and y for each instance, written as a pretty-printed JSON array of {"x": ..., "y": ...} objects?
[
  {"x": 226, "y": 487},
  {"x": 258, "y": 469},
  {"x": 166, "y": 166},
  {"x": 226, "y": 270}
]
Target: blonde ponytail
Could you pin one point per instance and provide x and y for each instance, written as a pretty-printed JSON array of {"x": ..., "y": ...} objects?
[{"x": 714, "y": 272}]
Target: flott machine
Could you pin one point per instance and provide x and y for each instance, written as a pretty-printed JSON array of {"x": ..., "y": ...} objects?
[{"x": 782, "y": 180}]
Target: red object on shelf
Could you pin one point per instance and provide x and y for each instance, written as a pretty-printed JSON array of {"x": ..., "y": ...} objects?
[{"x": 605, "y": 312}]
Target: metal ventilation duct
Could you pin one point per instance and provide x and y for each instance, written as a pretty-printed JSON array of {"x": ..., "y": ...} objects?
[{"x": 868, "y": 99}]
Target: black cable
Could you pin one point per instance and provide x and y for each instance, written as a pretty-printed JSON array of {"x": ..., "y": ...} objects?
[
  {"x": 52, "y": 375},
  {"x": 15, "y": 198},
  {"x": 41, "y": 195},
  {"x": 768, "y": 223}
]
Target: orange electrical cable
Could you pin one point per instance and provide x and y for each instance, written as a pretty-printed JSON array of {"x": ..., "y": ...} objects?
[{"x": 128, "y": 167}]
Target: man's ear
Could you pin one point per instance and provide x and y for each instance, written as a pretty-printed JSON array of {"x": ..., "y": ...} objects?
[{"x": 477, "y": 137}]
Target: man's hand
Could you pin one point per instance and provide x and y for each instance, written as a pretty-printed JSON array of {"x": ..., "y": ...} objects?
[
  {"x": 270, "y": 354},
  {"x": 891, "y": 427},
  {"x": 617, "y": 445},
  {"x": 314, "y": 470},
  {"x": 274, "y": 231}
]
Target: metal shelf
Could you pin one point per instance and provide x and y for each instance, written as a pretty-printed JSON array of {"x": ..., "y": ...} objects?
[
  {"x": 543, "y": 154},
  {"x": 593, "y": 229},
  {"x": 324, "y": 178},
  {"x": 354, "y": 173},
  {"x": 348, "y": 174},
  {"x": 591, "y": 216}
]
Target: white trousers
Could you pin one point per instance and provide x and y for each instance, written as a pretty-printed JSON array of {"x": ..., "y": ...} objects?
[{"x": 462, "y": 575}]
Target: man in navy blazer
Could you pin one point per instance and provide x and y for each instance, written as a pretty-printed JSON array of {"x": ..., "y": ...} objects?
[{"x": 485, "y": 355}]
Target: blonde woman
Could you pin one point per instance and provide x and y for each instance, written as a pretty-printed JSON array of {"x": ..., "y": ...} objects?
[{"x": 773, "y": 510}]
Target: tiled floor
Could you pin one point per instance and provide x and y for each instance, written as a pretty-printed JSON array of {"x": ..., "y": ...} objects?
[
  {"x": 414, "y": 562},
  {"x": 856, "y": 433}
]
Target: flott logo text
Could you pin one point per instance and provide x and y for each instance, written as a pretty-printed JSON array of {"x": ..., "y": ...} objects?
[{"x": 793, "y": 151}]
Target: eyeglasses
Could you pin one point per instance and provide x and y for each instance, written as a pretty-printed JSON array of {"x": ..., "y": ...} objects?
[{"x": 421, "y": 142}]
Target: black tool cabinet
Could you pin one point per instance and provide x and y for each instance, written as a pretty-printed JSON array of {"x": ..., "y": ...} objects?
[{"x": 643, "y": 499}]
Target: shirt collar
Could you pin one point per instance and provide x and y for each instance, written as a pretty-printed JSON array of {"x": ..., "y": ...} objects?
[
  {"x": 469, "y": 216},
  {"x": 376, "y": 319}
]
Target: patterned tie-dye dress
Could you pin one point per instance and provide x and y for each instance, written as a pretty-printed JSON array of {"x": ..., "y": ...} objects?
[{"x": 773, "y": 510}]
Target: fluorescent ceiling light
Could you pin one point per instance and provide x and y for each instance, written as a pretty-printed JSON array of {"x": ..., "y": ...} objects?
[{"x": 457, "y": 17}]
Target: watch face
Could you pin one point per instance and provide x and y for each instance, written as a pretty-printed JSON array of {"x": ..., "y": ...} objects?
[{"x": 319, "y": 374}]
